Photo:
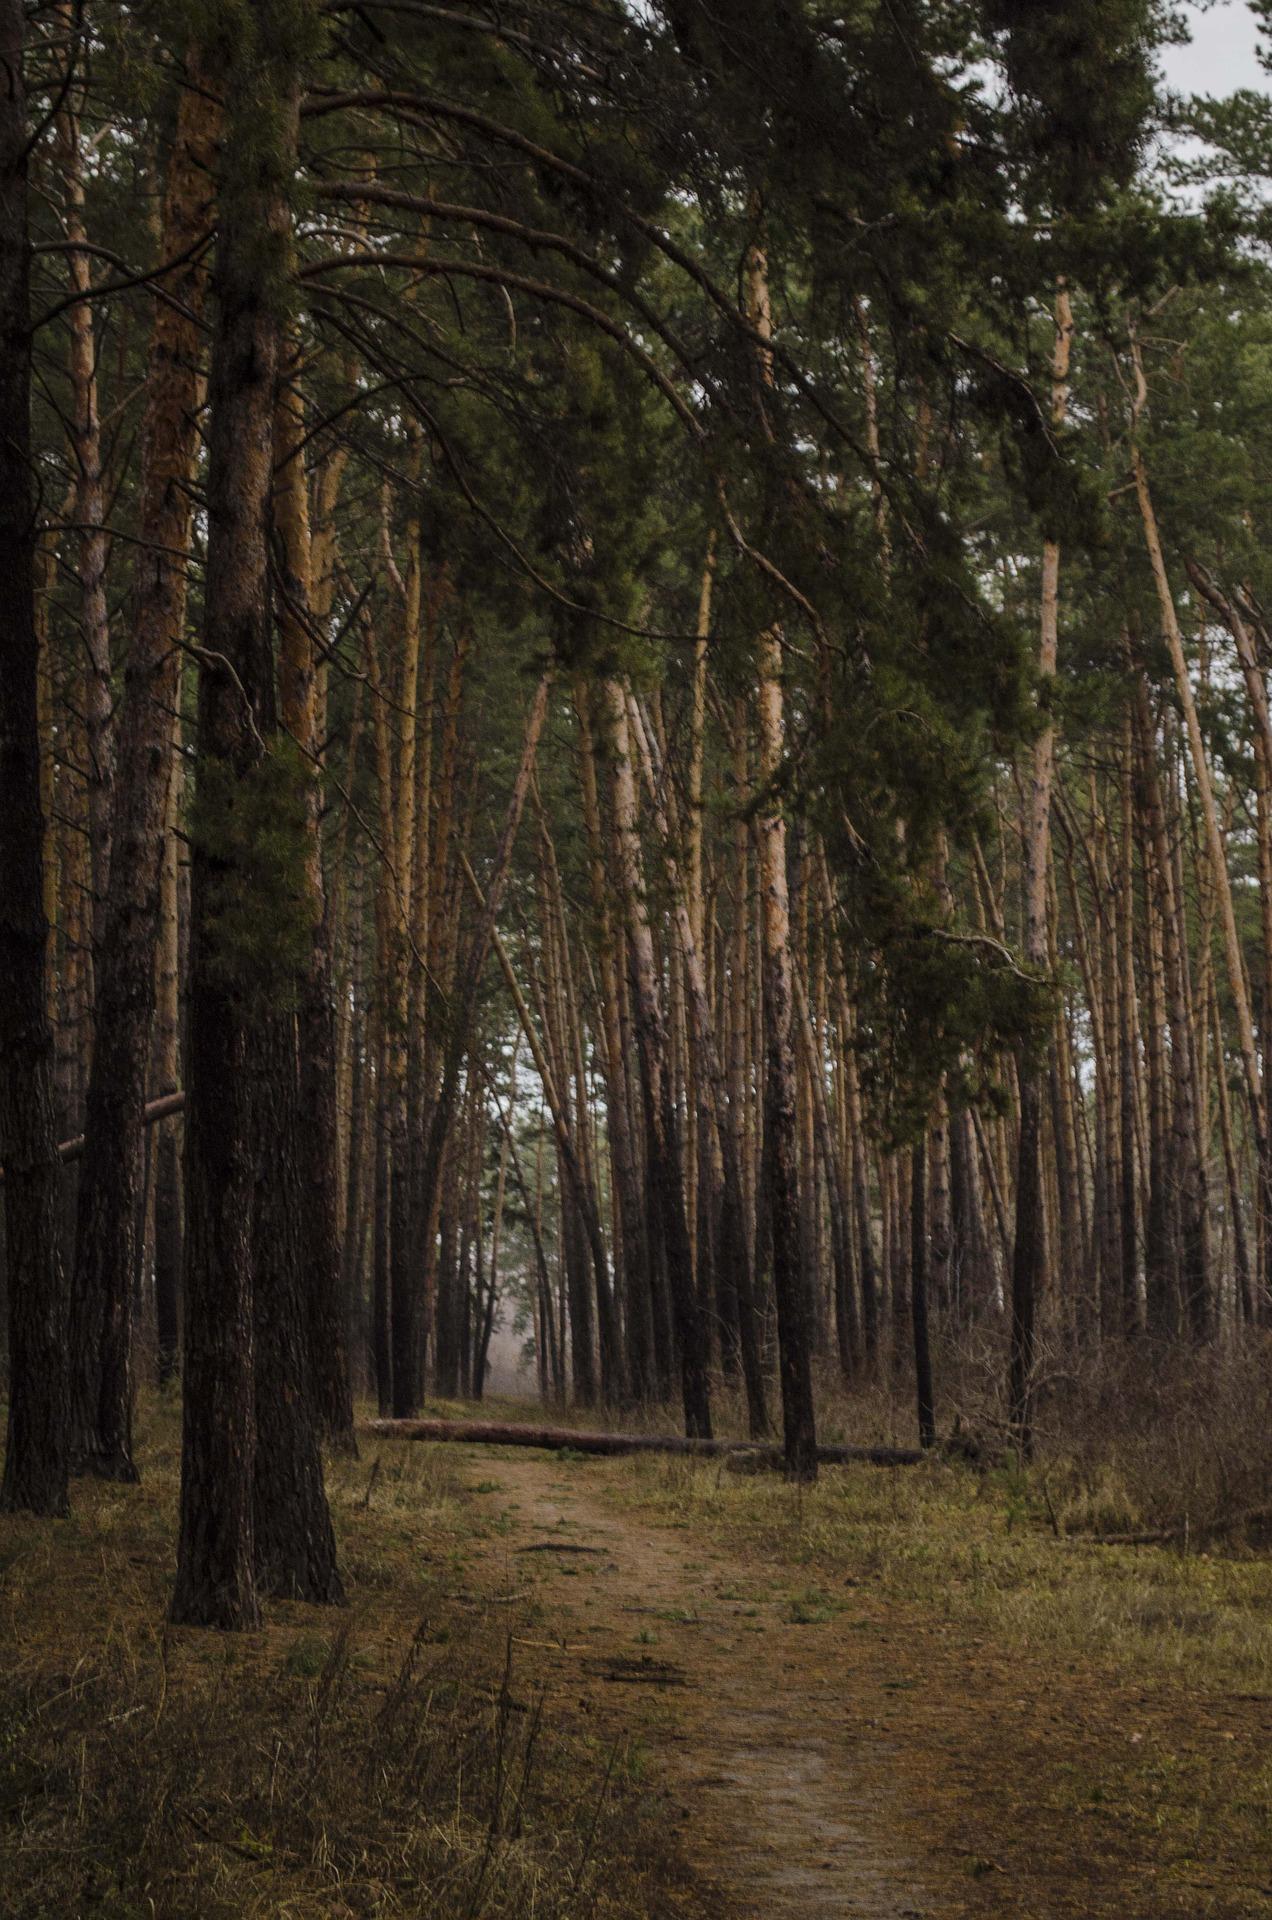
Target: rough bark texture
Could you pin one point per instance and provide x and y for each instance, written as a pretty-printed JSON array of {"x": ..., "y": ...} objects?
[
  {"x": 317, "y": 1144},
  {"x": 295, "y": 1547},
  {"x": 230, "y": 992},
  {"x": 35, "y": 1457},
  {"x": 109, "y": 1185},
  {"x": 169, "y": 1204}
]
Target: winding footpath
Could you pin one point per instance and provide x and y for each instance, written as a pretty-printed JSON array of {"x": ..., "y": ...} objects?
[{"x": 708, "y": 1673}]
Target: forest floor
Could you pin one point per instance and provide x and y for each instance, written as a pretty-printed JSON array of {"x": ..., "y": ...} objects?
[
  {"x": 568, "y": 1686},
  {"x": 892, "y": 1696}
]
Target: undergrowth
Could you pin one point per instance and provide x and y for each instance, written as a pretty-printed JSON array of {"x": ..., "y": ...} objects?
[{"x": 388, "y": 1759}]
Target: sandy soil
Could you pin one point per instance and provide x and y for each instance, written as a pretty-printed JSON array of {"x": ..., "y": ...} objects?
[{"x": 677, "y": 1645}]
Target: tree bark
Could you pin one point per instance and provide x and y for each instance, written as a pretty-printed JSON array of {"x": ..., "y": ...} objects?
[
  {"x": 87, "y": 504},
  {"x": 169, "y": 1206},
  {"x": 637, "y": 1292},
  {"x": 1029, "y": 1256},
  {"x": 234, "y": 1071},
  {"x": 108, "y": 1211},
  {"x": 1205, "y": 790},
  {"x": 35, "y": 1467},
  {"x": 317, "y": 1144},
  {"x": 798, "y": 1421}
]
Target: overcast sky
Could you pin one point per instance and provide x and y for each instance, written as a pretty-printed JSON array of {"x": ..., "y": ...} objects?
[{"x": 1222, "y": 55}]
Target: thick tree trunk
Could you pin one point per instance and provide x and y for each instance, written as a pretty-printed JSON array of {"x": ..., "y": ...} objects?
[
  {"x": 295, "y": 1547},
  {"x": 109, "y": 1184},
  {"x": 234, "y": 1070},
  {"x": 35, "y": 1466}
]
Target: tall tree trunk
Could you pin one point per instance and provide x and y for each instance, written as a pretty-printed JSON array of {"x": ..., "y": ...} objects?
[
  {"x": 382, "y": 1251},
  {"x": 1029, "y": 1256},
  {"x": 35, "y": 1466},
  {"x": 576, "y": 1189},
  {"x": 572, "y": 1067},
  {"x": 919, "y": 1252},
  {"x": 169, "y": 1208},
  {"x": 1187, "y": 1158},
  {"x": 712, "y": 1095},
  {"x": 662, "y": 1127},
  {"x": 1230, "y": 610},
  {"x": 1206, "y": 798},
  {"x": 317, "y": 1144},
  {"x": 88, "y": 499},
  {"x": 781, "y": 1146},
  {"x": 407, "y": 1256},
  {"x": 847, "y": 1329},
  {"x": 106, "y": 1233},
  {"x": 236, "y": 1069},
  {"x": 635, "y": 1240}
]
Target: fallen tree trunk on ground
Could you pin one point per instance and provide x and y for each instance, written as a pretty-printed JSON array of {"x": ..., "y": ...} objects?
[
  {"x": 1196, "y": 1533},
  {"x": 563, "y": 1439}
]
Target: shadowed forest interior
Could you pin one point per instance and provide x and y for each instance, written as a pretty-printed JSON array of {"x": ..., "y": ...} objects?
[{"x": 635, "y": 820}]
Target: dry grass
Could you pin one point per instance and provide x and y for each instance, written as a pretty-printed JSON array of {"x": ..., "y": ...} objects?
[
  {"x": 979, "y": 1549},
  {"x": 390, "y": 1759},
  {"x": 1104, "y": 1707},
  {"x": 1081, "y": 1730}
]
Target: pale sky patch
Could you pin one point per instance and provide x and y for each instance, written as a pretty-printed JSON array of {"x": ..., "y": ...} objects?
[{"x": 1222, "y": 55}]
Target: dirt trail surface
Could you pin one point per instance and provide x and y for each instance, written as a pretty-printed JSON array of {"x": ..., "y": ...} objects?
[
  {"x": 683, "y": 1649},
  {"x": 833, "y": 1751}
]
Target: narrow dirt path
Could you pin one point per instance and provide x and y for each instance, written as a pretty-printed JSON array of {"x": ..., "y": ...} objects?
[{"x": 706, "y": 1666}]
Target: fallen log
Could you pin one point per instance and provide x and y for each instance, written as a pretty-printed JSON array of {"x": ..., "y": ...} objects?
[
  {"x": 583, "y": 1440},
  {"x": 1186, "y": 1533}
]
